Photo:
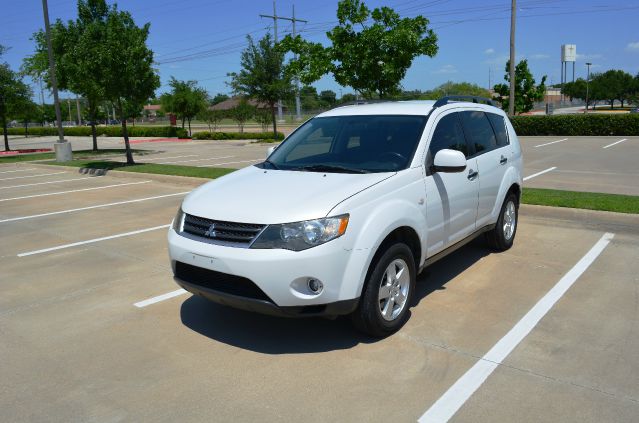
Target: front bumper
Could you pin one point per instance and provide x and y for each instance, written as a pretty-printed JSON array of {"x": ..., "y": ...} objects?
[{"x": 280, "y": 276}]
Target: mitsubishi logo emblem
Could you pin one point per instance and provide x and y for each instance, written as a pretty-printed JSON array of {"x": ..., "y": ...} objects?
[{"x": 211, "y": 231}]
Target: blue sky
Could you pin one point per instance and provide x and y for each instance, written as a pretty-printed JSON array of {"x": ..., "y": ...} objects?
[{"x": 202, "y": 39}]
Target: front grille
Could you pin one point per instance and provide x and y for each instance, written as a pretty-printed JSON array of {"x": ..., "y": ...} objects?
[
  {"x": 218, "y": 281},
  {"x": 237, "y": 233}
]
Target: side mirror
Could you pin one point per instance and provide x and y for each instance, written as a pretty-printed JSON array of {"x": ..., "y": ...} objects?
[
  {"x": 449, "y": 161},
  {"x": 270, "y": 151}
]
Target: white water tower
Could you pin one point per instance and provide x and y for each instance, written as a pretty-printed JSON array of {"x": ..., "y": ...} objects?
[{"x": 568, "y": 54}]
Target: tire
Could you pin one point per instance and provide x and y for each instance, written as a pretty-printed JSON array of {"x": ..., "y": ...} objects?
[
  {"x": 382, "y": 316},
  {"x": 501, "y": 238}
]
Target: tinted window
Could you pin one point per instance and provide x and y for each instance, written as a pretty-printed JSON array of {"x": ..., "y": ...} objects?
[
  {"x": 499, "y": 125},
  {"x": 448, "y": 135},
  {"x": 373, "y": 143},
  {"x": 479, "y": 131}
]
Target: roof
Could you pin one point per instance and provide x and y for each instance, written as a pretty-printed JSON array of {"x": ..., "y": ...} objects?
[
  {"x": 152, "y": 107},
  {"x": 234, "y": 101},
  {"x": 412, "y": 107}
]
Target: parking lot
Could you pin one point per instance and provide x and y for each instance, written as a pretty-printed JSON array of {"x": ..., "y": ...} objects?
[{"x": 94, "y": 329}]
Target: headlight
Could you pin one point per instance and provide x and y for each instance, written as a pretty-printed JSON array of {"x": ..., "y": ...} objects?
[
  {"x": 299, "y": 236},
  {"x": 178, "y": 222}
]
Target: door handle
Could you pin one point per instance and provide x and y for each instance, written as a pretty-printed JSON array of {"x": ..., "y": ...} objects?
[
  {"x": 503, "y": 160},
  {"x": 472, "y": 175}
]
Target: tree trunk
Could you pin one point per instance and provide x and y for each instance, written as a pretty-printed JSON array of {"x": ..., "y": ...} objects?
[
  {"x": 6, "y": 135},
  {"x": 94, "y": 134},
  {"x": 26, "y": 128},
  {"x": 189, "y": 119},
  {"x": 125, "y": 133},
  {"x": 274, "y": 120},
  {"x": 183, "y": 122}
]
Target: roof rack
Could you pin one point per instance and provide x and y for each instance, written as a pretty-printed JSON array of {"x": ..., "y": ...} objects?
[{"x": 470, "y": 98}]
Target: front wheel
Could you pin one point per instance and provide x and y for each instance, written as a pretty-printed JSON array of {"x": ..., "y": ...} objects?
[
  {"x": 502, "y": 236},
  {"x": 387, "y": 294}
]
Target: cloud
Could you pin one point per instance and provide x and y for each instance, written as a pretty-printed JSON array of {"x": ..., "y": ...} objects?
[
  {"x": 539, "y": 56},
  {"x": 446, "y": 69},
  {"x": 633, "y": 46},
  {"x": 489, "y": 51},
  {"x": 589, "y": 56}
]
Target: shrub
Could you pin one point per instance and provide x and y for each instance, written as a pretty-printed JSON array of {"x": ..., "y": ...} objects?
[
  {"x": 577, "y": 125},
  {"x": 110, "y": 131},
  {"x": 235, "y": 135}
]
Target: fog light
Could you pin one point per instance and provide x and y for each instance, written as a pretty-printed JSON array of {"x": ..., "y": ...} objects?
[{"x": 315, "y": 286}]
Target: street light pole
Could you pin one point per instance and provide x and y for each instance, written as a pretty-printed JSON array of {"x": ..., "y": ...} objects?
[
  {"x": 511, "y": 98},
  {"x": 62, "y": 147},
  {"x": 587, "y": 85}
]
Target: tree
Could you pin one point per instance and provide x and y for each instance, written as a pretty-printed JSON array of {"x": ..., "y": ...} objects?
[
  {"x": 309, "y": 98},
  {"x": 129, "y": 77},
  {"x": 14, "y": 94},
  {"x": 262, "y": 76},
  {"x": 614, "y": 85},
  {"x": 186, "y": 100},
  {"x": 25, "y": 110},
  {"x": 526, "y": 92},
  {"x": 211, "y": 117},
  {"x": 263, "y": 117},
  {"x": 328, "y": 98},
  {"x": 242, "y": 113},
  {"x": 372, "y": 58},
  {"x": 348, "y": 98},
  {"x": 454, "y": 88},
  {"x": 80, "y": 55}
]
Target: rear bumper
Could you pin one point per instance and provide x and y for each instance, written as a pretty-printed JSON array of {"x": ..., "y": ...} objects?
[{"x": 268, "y": 307}]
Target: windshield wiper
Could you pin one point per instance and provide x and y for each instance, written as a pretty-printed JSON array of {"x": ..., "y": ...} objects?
[
  {"x": 276, "y": 167},
  {"x": 330, "y": 168}
]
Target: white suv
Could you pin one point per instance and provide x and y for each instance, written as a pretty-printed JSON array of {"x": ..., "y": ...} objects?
[{"x": 343, "y": 215}]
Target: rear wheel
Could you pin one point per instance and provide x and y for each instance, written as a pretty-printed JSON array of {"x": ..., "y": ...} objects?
[
  {"x": 502, "y": 236},
  {"x": 388, "y": 292}
]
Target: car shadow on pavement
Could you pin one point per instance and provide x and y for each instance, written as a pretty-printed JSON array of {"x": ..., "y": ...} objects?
[
  {"x": 438, "y": 274},
  {"x": 279, "y": 335}
]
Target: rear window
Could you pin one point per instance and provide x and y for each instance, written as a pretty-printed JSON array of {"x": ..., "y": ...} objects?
[{"x": 499, "y": 126}]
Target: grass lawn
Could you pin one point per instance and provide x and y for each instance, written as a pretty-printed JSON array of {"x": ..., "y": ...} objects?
[
  {"x": 160, "y": 169},
  {"x": 81, "y": 154},
  {"x": 581, "y": 200}
]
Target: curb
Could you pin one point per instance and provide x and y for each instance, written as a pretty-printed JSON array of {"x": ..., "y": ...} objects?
[{"x": 618, "y": 222}]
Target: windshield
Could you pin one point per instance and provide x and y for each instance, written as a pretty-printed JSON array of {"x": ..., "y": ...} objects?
[{"x": 350, "y": 144}]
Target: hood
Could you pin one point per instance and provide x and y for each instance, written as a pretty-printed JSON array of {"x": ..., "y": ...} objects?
[{"x": 254, "y": 195}]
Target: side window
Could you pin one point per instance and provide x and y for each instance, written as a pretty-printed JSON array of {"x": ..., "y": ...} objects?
[
  {"x": 499, "y": 125},
  {"x": 479, "y": 131},
  {"x": 448, "y": 135}
]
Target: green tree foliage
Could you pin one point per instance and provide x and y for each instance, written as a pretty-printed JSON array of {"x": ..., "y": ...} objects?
[
  {"x": 372, "y": 57},
  {"x": 25, "y": 111},
  {"x": 186, "y": 100},
  {"x": 614, "y": 85},
  {"x": 348, "y": 98},
  {"x": 309, "y": 98},
  {"x": 128, "y": 77},
  {"x": 15, "y": 96},
  {"x": 211, "y": 117},
  {"x": 526, "y": 90},
  {"x": 263, "y": 117},
  {"x": 328, "y": 98},
  {"x": 452, "y": 88},
  {"x": 242, "y": 113},
  {"x": 262, "y": 76},
  {"x": 78, "y": 48}
]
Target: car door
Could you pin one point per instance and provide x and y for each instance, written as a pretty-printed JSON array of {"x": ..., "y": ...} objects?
[
  {"x": 483, "y": 130},
  {"x": 451, "y": 198}
]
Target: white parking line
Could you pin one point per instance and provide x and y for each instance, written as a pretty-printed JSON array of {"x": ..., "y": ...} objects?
[
  {"x": 50, "y": 182},
  {"x": 220, "y": 164},
  {"x": 553, "y": 142},
  {"x": 31, "y": 176},
  {"x": 164, "y": 158},
  {"x": 199, "y": 160},
  {"x": 71, "y": 191},
  {"x": 91, "y": 241},
  {"x": 615, "y": 143},
  {"x": 162, "y": 297},
  {"x": 18, "y": 170},
  {"x": 139, "y": 200},
  {"x": 449, "y": 403},
  {"x": 550, "y": 169}
]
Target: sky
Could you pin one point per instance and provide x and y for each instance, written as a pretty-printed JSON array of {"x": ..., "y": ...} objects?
[{"x": 202, "y": 39}]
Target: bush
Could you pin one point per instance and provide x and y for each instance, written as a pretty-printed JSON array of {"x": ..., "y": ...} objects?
[
  {"x": 577, "y": 125},
  {"x": 109, "y": 131},
  {"x": 236, "y": 135}
]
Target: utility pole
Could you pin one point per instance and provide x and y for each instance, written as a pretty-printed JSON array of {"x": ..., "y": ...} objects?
[
  {"x": 292, "y": 19},
  {"x": 62, "y": 147},
  {"x": 489, "y": 77},
  {"x": 587, "y": 84},
  {"x": 511, "y": 98}
]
